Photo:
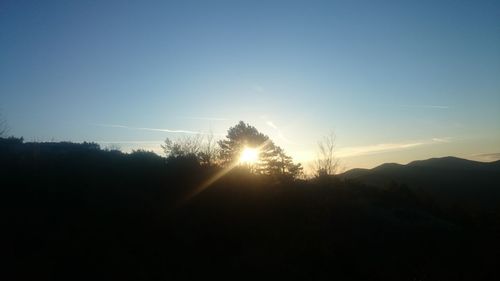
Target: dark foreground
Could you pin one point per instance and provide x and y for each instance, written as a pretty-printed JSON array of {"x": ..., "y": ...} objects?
[{"x": 74, "y": 212}]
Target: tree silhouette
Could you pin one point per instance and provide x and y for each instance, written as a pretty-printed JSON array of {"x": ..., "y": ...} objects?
[
  {"x": 272, "y": 158},
  {"x": 202, "y": 148},
  {"x": 209, "y": 150},
  {"x": 326, "y": 162},
  {"x": 282, "y": 164},
  {"x": 188, "y": 146},
  {"x": 240, "y": 136}
]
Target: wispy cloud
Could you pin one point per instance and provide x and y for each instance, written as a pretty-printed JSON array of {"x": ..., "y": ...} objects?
[
  {"x": 442, "y": 140},
  {"x": 387, "y": 147},
  {"x": 279, "y": 132},
  {"x": 150, "y": 129},
  {"x": 128, "y": 142},
  {"x": 427, "y": 106},
  {"x": 487, "y": 156},
  {"x": 205, "y": 118},
  {"x": 376, "y": 148},
  {"x": 271, "y": 124}
]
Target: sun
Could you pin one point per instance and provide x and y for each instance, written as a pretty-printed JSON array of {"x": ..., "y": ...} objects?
[{"x": 249, "y": 155}]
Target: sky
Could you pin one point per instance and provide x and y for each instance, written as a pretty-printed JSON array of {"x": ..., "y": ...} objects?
[{"x": 395, "y": 81}]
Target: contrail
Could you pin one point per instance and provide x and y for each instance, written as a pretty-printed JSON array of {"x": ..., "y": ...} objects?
[
  {"x": 386, "y": 147},
  {"x": 150, "y": 129},
  {"x": 430, "y": 106},
  {"x": 205, "y": 118},
  {"x": 129, "y": 142}
]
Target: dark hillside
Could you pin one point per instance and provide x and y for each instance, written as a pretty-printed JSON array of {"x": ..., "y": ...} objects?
[
  {"x": 74, "y": 211},
  {"x": 450, "y": 180}
]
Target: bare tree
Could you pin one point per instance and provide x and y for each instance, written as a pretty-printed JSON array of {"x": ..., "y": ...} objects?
[
  {"x": 209, "y": 151},
  {"x": 326, "y": 162},
  {"x": 184, "y": 146},
  {"x": 203, "y": 147}
]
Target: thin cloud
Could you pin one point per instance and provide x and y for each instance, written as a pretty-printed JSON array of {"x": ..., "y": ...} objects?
[
  {"x": 488, "y": 156},
  {"x": 150, "y": 129},
  {"x": 279, "y": 132},
  {"x": 129, "y": 142},
  {"x": 376, "y": 148},
  {"x": 271, "y": 124},
  {"x": 205, "y": 118},
  {"x": 387, "y": 147},
  {"x": 436, "y": 106},
  {"x": 442, "y": 140},
  {"x": 428, "y": 106}
]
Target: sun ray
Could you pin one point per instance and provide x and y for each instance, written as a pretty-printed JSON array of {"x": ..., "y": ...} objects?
[{"x": 215, "y": 178}]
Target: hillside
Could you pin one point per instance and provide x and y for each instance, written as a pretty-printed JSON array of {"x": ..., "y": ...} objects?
[
  {"x": 77, "y": 212},
  {"x": 448, "y": 179}
]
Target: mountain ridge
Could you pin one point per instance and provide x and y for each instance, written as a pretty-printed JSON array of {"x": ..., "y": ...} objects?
[
  {"x": 447, "y": 178},
  {"x": 448, "y": 161}
]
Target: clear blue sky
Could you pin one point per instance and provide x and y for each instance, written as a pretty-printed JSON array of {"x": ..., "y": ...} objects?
[{"x": 395, "y": 80}]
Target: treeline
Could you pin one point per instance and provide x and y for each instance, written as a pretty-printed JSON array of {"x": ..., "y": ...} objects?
[
  {"x": 76, "y": 211},
  {"x": 271, "y": 160}
]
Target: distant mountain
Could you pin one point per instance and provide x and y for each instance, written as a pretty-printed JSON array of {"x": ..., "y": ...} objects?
[{"x": 446, "y": 179}]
